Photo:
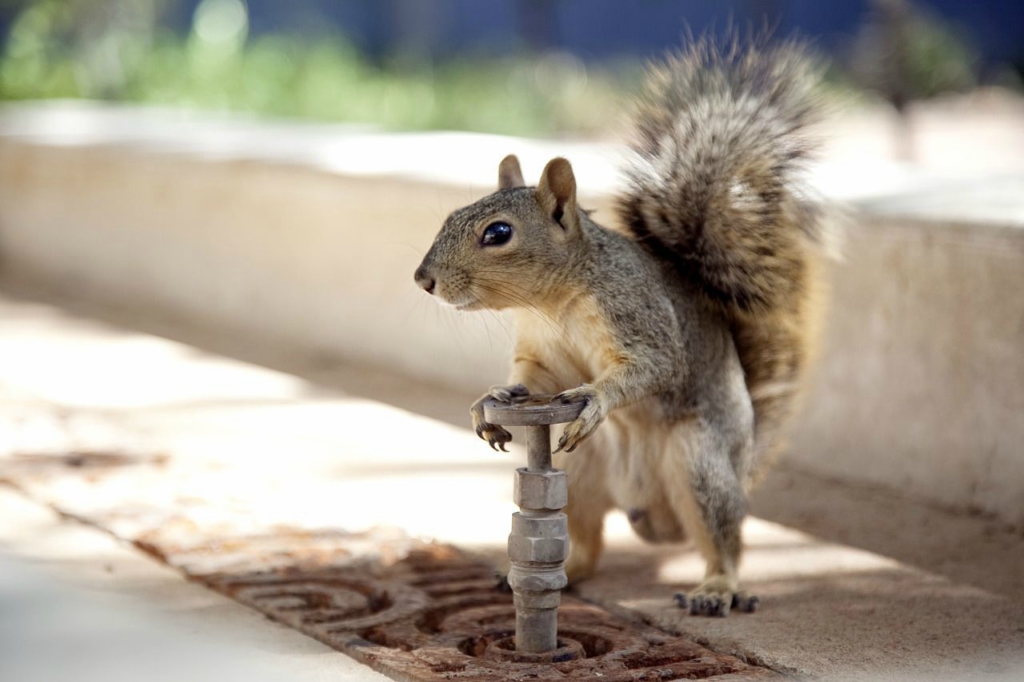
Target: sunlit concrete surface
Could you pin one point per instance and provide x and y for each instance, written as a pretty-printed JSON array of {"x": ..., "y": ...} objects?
[
  {"x": 76, "y": 604},
  {"x": 257, "y": 447},
  {"x": 357, "y": 150},
  {"x": 245, "y": 449}
]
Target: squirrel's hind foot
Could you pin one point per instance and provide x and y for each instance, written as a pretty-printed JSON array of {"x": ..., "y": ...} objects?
[{"x": 715, "y": 597}]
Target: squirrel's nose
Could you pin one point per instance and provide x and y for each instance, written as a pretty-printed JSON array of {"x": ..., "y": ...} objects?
[{"x": 426, "y": 282}]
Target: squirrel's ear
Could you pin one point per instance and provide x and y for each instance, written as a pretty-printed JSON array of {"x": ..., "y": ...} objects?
[
  {"x": 557, "y": 193},
  {"x": 509, "y": 173}
]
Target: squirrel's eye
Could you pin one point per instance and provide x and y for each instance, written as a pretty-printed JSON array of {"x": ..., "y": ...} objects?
[{"x": 496, "y": 234}]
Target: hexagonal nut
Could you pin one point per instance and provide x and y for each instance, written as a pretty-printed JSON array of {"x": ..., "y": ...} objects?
[
  {"x": 541, "y": 490},
  {"x": 539, "y": 550},
  {"x": 540, "y": 525}
]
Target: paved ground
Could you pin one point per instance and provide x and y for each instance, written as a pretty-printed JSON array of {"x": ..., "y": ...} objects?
[
  {"x": 77, "y": 604},
  {"x": 856, "y": 584}
]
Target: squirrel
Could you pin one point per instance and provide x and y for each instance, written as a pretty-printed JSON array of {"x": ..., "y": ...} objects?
[{"x": 688, "y": 329}]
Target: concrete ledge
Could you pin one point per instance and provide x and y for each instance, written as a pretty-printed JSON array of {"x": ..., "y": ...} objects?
[
  {"x": 308, "y": 236},
  {"x": 920, "y": 385}
]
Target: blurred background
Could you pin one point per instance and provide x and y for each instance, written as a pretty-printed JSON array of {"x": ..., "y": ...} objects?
[
  {"x": 214, "y": 359},
  {"x": 535, "y": 67}
]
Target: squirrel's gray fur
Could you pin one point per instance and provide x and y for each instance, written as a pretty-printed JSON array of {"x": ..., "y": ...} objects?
[
  {"x": 715, "y": 186},
  {"x": 688, "y": 332}
]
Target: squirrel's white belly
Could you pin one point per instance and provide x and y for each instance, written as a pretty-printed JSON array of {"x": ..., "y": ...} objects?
[
  {"x": 574, "y": 347},
  {"x": 638, "y": 439}
]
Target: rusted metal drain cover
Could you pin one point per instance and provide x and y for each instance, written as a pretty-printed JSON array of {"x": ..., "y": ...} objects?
[
  {"x": 410, "y": 609},
  {"x": 436, "y": 615}
]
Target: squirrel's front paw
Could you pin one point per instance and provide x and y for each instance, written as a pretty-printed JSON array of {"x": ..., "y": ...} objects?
[
  {"x": 591, "y": 416},
  {"x": 495, "y": 435},
  {"x": 507, "y": 394}
]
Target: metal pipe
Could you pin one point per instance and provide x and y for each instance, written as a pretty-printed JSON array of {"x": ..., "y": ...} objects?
[
  {"x": 538, "y": 448},
  {"x": 539, "y": 542}
]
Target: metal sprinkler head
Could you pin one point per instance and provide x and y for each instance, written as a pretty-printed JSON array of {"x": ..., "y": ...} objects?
[{"x": 539, "y": 542}]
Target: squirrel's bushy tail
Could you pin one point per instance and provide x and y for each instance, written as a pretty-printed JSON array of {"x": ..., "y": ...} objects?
[
  {"x": 719, "y": 141},
  {"x": 714, "y": 188}
]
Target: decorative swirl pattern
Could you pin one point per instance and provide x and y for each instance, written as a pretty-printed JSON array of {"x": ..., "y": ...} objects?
[{"x": 436, "y": 615}]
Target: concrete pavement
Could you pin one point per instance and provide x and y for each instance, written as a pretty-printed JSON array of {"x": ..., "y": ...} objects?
[
  {"x": 78, "y": 604},
  {"x": 233, "y": 447}
]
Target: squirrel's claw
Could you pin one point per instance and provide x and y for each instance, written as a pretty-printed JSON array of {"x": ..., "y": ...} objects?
[
  {"x": 716, "y": 596},
  {"x": 497, "y": 442},
  {"x": 495, "y": 435},
  {"x": 507, "y": 394},
  {"x": 590, "y": 418},
  {"x": 747, "y": 603},
  {"x": 717, "y": 604},
  {"x": 567, "y": 442}
]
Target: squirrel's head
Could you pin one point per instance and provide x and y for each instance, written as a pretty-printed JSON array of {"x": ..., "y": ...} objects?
[{"x": 508, "y": 249}]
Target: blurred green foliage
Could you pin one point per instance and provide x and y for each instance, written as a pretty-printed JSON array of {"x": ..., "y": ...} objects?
[
  {"x": 938, "y": 59},
  {"x": 116, "y": 51},
  {"x": 906, "y": 52}
]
